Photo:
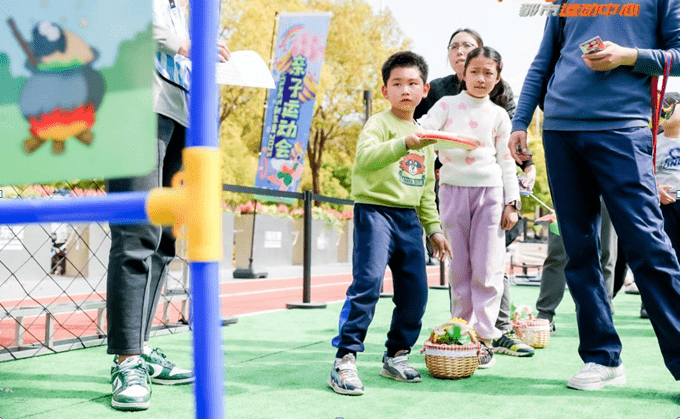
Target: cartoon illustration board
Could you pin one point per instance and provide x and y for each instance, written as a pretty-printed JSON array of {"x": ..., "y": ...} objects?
[{"x": 61, "y": 96}]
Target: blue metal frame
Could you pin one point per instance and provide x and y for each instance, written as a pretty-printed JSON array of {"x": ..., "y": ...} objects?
[
  {"x": 130, "y": 207},
  {"x": 208, "y": 356}
]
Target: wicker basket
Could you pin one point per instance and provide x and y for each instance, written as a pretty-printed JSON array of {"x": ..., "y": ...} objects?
[
  {"x": 451, "y": 361},
  {"x": 533, "y": 332}
]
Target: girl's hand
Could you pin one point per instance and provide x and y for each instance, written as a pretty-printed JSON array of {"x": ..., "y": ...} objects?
[
  {"x": 664, "y": 195},
  {"x": 413, "y": 142},
  {"x": 442, "y": 248},
  {"x": 509, "y": 218},
  {"x": 612, "y": 56}
]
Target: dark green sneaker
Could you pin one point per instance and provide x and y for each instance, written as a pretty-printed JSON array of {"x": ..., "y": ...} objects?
[
  {"x": 510, "y": 344},
  {"x": 163, "y": 371},
  {"x": 131, "y": 386}
]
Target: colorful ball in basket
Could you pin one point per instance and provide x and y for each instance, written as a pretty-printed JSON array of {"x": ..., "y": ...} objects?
[
  {"x": 450, "y": 139},
  {"x": 451, "y": 361},
  {"x": 533, "y": 332}
]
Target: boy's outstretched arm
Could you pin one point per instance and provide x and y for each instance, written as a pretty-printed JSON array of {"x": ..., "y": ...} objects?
[{"x": 442, "y": 248}]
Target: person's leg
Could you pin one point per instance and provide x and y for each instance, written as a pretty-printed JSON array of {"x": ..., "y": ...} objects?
[
  {"x": 671, "y": 224},
  {"x": 373, "y": 245},
  {"x": 165, "y": 253},
  {"x": 504, "y": 314},
  {"x": 608, "y": 245},
  {"x": 625, "y": 171},
  {"x": 487, "y": 250},
  {"x": 620, "y": 269},
  {"x": 410, "y": 296},
  {"x": 410, "y": 282},
  {"x": 553, "y": 280},
  {"x": 455, "y": 217},
  {"x": 576, "y": 195},
  {"x": 503, "y": 321},
  {"x": 131, "y": 285}
]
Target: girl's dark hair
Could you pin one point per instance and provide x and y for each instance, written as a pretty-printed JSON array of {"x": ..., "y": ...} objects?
[
  {"x": 473, "y": 33},
  {"x": 497, "y": 95},
  {"x": 404, "y": 59}
]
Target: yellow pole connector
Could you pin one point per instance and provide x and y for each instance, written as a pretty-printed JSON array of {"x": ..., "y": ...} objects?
[{"x": 194, "y": 204}]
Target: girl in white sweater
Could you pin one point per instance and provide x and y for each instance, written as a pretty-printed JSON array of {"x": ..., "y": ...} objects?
[{"x": 478, "y": 194}]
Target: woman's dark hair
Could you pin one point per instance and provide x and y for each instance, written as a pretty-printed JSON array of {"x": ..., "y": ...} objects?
[
  {"x": 497, "y": 95},
  {"x": 473, "y": 33}
]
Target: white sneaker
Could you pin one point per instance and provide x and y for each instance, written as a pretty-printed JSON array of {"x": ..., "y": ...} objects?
[{"x": 595, "y": 376}]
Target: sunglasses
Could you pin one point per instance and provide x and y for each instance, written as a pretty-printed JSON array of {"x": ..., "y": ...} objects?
[{"x": 668, "y": 107}]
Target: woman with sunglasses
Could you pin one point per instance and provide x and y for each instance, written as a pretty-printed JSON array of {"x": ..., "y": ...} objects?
[{"x": 463, "y": 41}]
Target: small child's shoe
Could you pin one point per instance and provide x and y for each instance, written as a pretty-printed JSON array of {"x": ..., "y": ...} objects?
[
  {"x": 397, "y": 368},
  {"x": 344, "y": 378},
  {"x": 486, "y": 359}
]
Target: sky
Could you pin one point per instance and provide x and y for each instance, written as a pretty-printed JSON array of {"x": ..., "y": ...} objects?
[
  {"x": 430, "y": 24},
  {"x": 103, "y": 24}
]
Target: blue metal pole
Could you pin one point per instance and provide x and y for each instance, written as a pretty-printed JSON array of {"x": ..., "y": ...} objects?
[
  {"x": 208, "y": 355},
  {"x": 203, "y": 97},
  {"x": 119, "y": 208}
]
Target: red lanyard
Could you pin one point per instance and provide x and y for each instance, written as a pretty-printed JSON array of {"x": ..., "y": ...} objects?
[{"x": 657, "y": 99}]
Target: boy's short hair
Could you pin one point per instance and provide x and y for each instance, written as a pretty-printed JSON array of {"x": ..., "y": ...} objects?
[{"x": 404, "y": 59}]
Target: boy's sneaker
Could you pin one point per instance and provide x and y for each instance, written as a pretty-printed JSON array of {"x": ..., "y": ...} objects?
[
  {"x": 397, "y": 368},
  {"x": 344, "y": 378},
  {"x": 163, "y": 371},
  {"x": 131, "y": 386},
  {"x": 486, "y": 359},
  {"x": 595, "y": 376},
  {"x": 510, "y": 344}
]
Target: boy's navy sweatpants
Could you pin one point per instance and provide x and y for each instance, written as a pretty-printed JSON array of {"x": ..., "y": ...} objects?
[
  {"x": 618, "y": 165},
  {"x": 385, "y": 236}
]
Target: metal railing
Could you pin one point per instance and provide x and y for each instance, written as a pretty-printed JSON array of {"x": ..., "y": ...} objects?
[{"x": 53, "y": 284}]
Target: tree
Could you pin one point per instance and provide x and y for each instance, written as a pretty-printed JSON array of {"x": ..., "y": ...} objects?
[{"x": 358, "y": 43}]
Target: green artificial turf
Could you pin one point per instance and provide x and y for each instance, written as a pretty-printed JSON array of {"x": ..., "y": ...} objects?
[{"x": 276, "y": 366}]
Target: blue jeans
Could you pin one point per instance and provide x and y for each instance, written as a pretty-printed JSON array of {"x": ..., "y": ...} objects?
[
  {"x": 617, "y": 164},
  {"x": 385, "y": 236},
  {"x": 141, "y": 253}
]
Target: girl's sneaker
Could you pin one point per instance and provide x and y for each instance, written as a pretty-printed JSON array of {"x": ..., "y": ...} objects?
[
  {"x": 486, "y": 359},
  {"x": 397, "y": 368},
  {"x": 344, "y": 378}
]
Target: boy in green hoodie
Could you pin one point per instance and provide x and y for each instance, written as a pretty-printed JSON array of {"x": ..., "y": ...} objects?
[{"x": 393, "y": 189}]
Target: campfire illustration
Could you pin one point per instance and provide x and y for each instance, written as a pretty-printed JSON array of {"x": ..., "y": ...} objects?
[{"x": 61, "y": 97}]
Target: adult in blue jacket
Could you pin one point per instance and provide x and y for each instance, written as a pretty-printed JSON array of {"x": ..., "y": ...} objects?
[{"x": 597, "y": 142}]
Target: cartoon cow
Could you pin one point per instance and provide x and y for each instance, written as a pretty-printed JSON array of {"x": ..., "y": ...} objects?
[{"x": 63, "y": 93}]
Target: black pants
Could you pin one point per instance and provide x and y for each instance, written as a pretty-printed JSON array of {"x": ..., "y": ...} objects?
[{"x": 141, "y": 253}]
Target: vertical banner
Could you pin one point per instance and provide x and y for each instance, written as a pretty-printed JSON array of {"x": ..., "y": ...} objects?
[{"x": 298, "y": 56}]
